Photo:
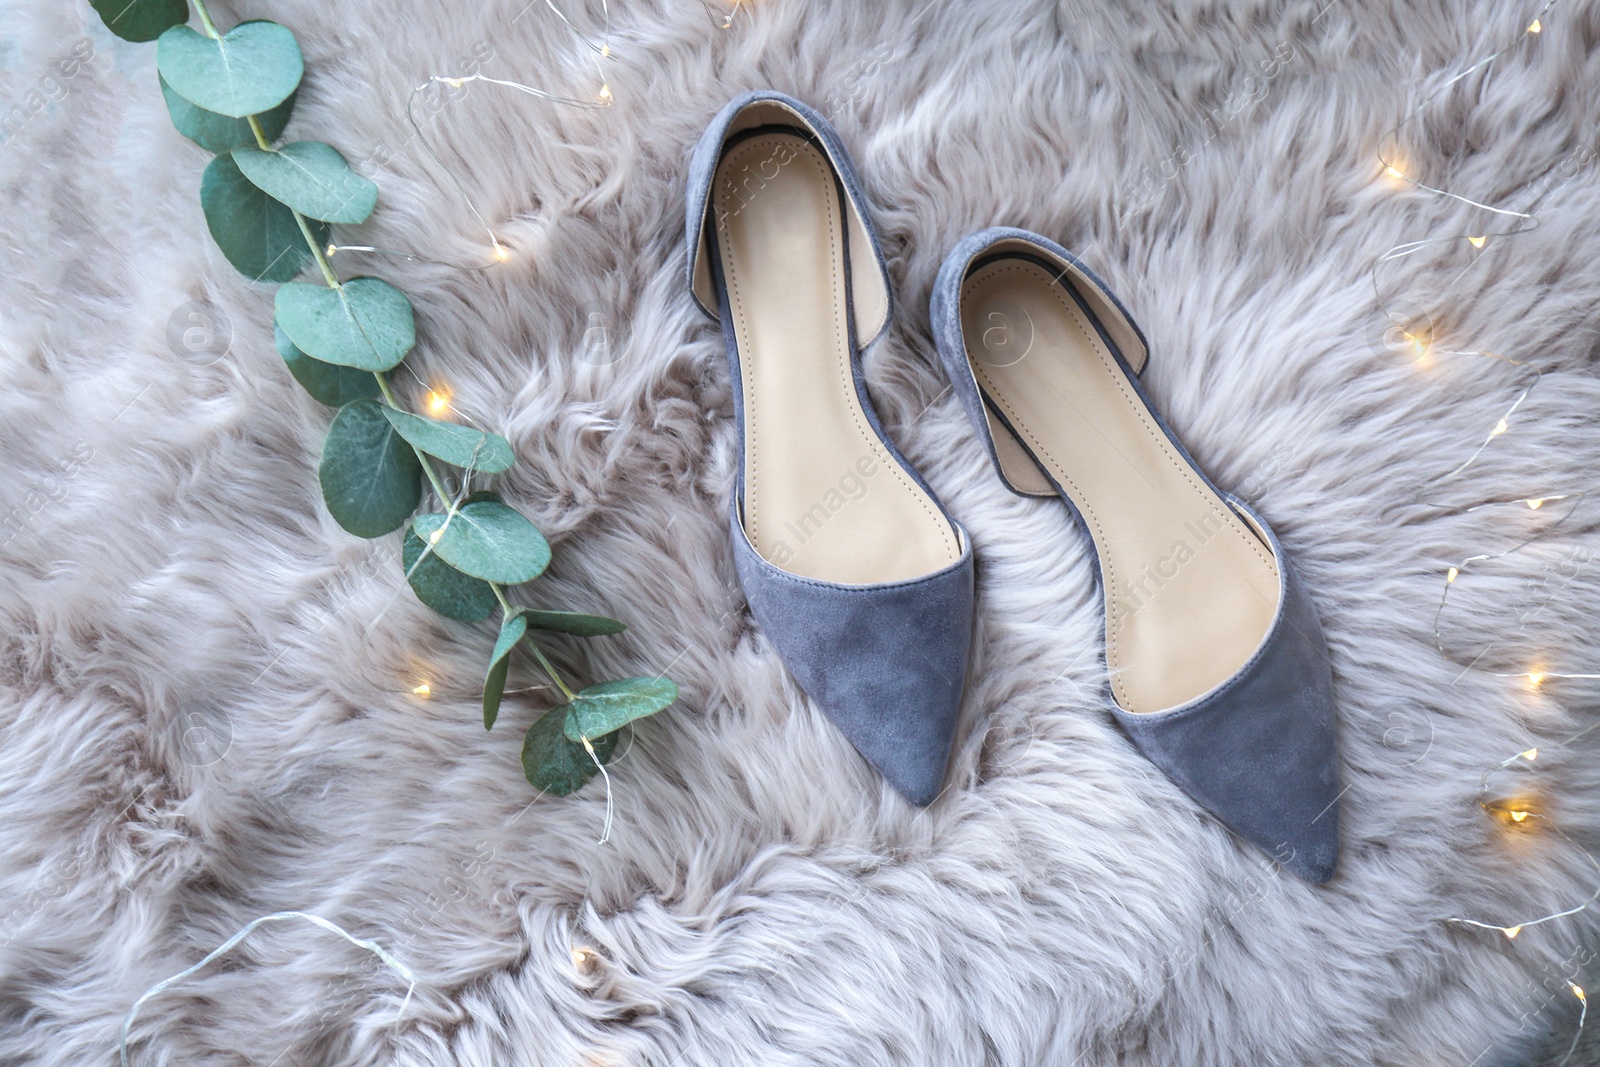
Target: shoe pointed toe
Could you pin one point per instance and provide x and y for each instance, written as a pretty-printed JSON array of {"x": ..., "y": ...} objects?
[
  {"x": 1260, "y": 751},
  {"x": 885, "y": 663}
]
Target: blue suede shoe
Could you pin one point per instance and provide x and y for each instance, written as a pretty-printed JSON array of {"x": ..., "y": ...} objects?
[
  {"x": 1216, "y": 661},
  {"x": 858, "y": 576}
]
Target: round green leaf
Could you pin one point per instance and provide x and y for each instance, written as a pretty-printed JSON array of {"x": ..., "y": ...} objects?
[
  {"x": 556, "y": 765},
  {"x": 219, "y": 133},
  {"x": 443, "y": 588},
  {"x": 310, "y": 177},
  {"x": 365, "y": 323},
  {"x": 257, "y": 234},
  {"x": 601, "y": 709},
  {"x": 327, "y": 384},
  {"x": 512, "y": 630},
  {"x": 252, "y": 68},
  {"x": 571, "y": 622},
  {"x": 456, "y": 444},
  {"x": 141, "y": 20},
  {"x": 371, "y": 479},
  {"x": 487, "y": 540}
]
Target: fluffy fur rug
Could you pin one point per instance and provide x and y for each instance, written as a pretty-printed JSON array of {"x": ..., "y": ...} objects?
[{"x": 207, "y": 709}]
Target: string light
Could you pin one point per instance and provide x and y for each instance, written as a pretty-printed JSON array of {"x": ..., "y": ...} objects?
[
  {"x": 1517, "y": 812},
  {"x": 423, "y": 690},
  {"x": 438, "y": 401}
]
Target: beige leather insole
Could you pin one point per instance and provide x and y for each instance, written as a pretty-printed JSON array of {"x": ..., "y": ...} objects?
[
  {"x": 823, "y": 497},
  {"x": 1190, "y": 589}
]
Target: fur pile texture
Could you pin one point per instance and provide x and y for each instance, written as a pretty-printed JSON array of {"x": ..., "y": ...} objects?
[{"x": 205, "y": 686}]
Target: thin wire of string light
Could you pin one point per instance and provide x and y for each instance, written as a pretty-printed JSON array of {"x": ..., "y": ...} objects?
[
  {"x": 278, "y": 916},
  {"x": 498, "y": 252},
  {"x": 1524, "y": 221},
  {"x": 723, "y": 21}
]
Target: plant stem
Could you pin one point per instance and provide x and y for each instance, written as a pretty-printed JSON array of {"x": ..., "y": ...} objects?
[
  {"x": 549, "y": 668},
  {"x": 205, "y": 20}
]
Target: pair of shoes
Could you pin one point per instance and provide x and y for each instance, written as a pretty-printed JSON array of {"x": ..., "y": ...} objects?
[{"x": 863, "y": 582}]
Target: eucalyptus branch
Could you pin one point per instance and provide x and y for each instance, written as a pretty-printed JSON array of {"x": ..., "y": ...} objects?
[{"x": 232, "y": 94}]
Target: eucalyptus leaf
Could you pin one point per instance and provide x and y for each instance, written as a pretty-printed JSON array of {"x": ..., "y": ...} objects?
[
  {"x": 141, "y": 20},
  {"x": 556, "y": 765},
  {"x": 365, "y": 323},
  {"x": 252, "y": 68},
  {"x": 219, "y": 133},
  {"x": 572, "y": 622},
  {"x": 487, "y": 540},
  {"x": 443, "y": 588},
  {"x": 257, "y": 234},
  {"x": 494, "y": 686},
  {"x": 328, "y": 384},
  {"x": 460, "y": 445},
  {"x": 371, "y": 479},
  {"x": 607, "y": 707},
  {"x": 310, "y": 177}
]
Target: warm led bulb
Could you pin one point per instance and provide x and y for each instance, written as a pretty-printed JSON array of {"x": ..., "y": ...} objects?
[
  {"x": 1451, "y": 575},
  {"x": 1577, "y": 991},
  {"x": 605, "y": 94},
  {"x": 454, "y": 83},
  {"x": 1536, "y": 502},
  {"x": 437, "y": 401},
  {"x": 500, "y": 253},
  {"x": 605, "y": 51},
  {"x": 1499, "y": 428},
  {"x": 1530, "y": 755},
  {"x": 1535, "y": 677},
  {"x": 1511, "y": 932},
  {"x": 331, "y": 249},
  {"x": 423, "y": 690},
  {"x": 1517, "y": 815},
  {"x": 1394, "y": 172},
  {"x": 1477, "y": 242},
  {"x": 433, "y": 538},
  {"x": 1534, "y": 27}
]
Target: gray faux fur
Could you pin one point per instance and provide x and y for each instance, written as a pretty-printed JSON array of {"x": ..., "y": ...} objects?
[{"x": 207, "y": 712}]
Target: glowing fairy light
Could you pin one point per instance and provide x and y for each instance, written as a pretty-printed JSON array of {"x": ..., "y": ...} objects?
[
  {"x": 1477, "y": 242},
  {"x": 1534, "y": 26},
  {"x": 438, "y": 402},
  {"x": 423, "y": 690},
  {"x": 1535, "y": 503}
]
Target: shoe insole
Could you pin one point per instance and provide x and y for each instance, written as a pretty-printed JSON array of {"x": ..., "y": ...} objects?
[
  {"x": 823, "y": 497},
  {"x": 1190, "y": 590}
]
